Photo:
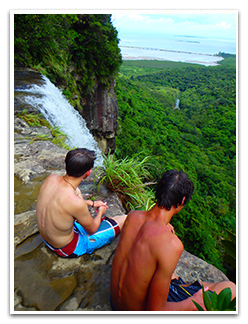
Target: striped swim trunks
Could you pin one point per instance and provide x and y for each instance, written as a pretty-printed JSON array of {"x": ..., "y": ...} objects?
[
  {"x": 83, "y": 243},
  {"x": 179, "y": 292}
]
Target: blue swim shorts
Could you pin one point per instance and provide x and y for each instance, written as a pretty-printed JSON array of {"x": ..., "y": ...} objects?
[
  {"x": 83, "y": 243},
  {"x": 178, "y": 292}
]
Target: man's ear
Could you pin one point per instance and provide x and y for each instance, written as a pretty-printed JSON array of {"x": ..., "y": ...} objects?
[
  {"x": 88, "y": 172},
  {"x": 183, "y": 200}
]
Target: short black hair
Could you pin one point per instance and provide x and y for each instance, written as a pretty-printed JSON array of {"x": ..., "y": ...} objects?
[
  {"x": 79, "y": 161},
  {"x": 172, "y": 187}
]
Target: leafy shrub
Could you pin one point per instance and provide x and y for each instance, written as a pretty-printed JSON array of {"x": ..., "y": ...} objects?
[
  {"x": 127, "y": 178},
  {"x": 220, "y": 302}
]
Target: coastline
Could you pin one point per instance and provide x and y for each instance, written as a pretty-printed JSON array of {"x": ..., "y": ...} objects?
[
  {"x": 145, "y": 53},
  {"x": 149, "y": 58}
]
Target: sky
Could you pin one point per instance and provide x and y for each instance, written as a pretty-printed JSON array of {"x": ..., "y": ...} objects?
[{"x": 204, "y": 23}]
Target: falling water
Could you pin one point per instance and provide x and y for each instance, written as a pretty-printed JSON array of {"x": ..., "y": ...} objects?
[
  {"x": 50, "y": 101},
  {"x": 177, "y": 104}
]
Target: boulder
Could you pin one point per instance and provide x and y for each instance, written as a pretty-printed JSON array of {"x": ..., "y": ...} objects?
[{"x": 35, "y": 159}]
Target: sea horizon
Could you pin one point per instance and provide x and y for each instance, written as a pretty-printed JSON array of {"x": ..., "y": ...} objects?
[{"x": 178, "y": 48}]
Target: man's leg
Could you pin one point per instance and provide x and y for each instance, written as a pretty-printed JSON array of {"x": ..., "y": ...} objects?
[
  {"x": 174, "y": 276},
  {"x": 219, "y": 286},
  {"x": 120, "y": 220}
]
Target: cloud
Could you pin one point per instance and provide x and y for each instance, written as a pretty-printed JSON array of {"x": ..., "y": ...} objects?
[{"x": 204, "y": 24}]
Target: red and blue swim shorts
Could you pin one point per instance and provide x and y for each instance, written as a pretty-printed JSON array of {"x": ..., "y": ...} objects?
[{"x": 83, "y": 243}]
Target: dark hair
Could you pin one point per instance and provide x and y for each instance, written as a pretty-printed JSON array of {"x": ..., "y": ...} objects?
[
  {"x": 172, "y": 187},
  {"x": 79, "y": 161}
]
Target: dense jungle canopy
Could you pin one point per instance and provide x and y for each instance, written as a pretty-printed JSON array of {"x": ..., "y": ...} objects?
[{"x": 68, "y": 48}]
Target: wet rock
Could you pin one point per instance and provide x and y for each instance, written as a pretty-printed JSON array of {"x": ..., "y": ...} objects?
[
  {"x": 38, "y": 288},
  {"x": 22, "y": 130},
  {"x": 25, "y": 225},
  {"x": 32, "y": 160},
  {"x": 100, "y": 111}
]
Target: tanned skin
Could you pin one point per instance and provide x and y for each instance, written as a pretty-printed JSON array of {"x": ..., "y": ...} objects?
[
  {"x": 144, "y": 263},
  {"x": 60, "y": 203}
]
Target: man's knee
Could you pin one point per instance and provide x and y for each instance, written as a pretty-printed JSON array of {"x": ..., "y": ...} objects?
[
  {"x": 120, "y": 220},
  {"x": 219, "y": 286}
]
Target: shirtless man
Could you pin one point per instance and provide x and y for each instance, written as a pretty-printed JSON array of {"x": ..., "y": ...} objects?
[
  {"x": 63, "y": 217},
  {"x": 142, "y": 276}
]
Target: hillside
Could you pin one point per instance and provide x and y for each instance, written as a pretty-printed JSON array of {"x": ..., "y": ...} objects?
[{"x": 199, "y": 138}]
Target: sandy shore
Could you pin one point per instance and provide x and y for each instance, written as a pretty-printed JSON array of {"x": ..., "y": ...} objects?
[
  {"x": 148, "y": 58},
  {"x": 133, "y": 53}
]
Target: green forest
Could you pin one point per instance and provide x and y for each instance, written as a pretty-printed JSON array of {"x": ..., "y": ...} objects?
[
  {"x": 199, "y": 137},
  {"x": 73, "y": 51}
]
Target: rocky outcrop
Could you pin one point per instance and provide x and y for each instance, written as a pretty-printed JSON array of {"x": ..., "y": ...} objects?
[
  {"x": 46, "y": 282},
  {"x": 42, "y": 280},
  {"x": 100, "y": 111}
]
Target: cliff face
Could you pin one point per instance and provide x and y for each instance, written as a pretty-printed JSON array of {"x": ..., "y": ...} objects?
[{"x": 100, "y": 111}]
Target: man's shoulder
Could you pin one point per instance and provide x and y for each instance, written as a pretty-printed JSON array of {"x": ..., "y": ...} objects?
[
  {"x": 53, "y": 177},
  {"x": 135, "y": 216},
  {"x": 168, "y": 242}
]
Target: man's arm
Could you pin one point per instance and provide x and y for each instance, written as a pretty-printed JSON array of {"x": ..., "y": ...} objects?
[
  {"x": 160, "y": 284},
  {"x": 167, "y": 259},
  {"x": 91, "y": 203},
  {"x": 81, "y": 212}
]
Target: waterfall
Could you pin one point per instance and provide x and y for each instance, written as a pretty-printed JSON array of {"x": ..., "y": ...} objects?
[
  {"x": 50, "y": 101},
  {"x": 177, "y": 104}
]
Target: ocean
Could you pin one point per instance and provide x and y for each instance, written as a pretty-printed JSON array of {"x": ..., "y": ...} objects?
[{"x": 179, "y": 48}]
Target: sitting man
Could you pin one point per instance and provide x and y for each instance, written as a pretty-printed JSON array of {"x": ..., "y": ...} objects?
[
  {"x": 63, "y": 217},
  {"x": 142, "y": 275}
]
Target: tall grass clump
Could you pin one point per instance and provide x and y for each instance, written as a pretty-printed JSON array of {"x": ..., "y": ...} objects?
[
  {"x": 129, "y": 178},
  {"x": 58, "y": 136}
]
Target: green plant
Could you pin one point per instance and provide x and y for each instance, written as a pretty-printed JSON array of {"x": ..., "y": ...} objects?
[
  {"x": 40, "y": 137},
  {"x": 217, "y": 302},
  {"x": 127, "y": 178},
  {"x": 59, "y": 138},
  {"x": 33, "y": 119},
  {"x": 230, "y": 248}
]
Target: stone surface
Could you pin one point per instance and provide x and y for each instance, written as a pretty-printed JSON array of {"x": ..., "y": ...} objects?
[
  {"x": 35, "y": 159},
  {"x": 100, "y": 111}
]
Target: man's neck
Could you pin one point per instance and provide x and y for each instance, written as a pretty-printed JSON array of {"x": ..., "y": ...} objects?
[
  {"x": 73, "y": 181},
  {"x": 162, "y": 213}
]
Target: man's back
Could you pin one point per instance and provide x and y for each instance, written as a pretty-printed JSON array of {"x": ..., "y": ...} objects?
[
  {"x": 53, "y": 205},
  {"x": 141, "y": 247}
]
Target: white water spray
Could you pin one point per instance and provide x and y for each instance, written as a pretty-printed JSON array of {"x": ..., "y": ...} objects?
[{"x": 50, "y": 101}]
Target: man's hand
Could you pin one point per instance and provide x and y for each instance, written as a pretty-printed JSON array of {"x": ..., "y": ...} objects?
[
  {"x": 99, "y": 204},
  {"x": 101, "y": 209}
]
